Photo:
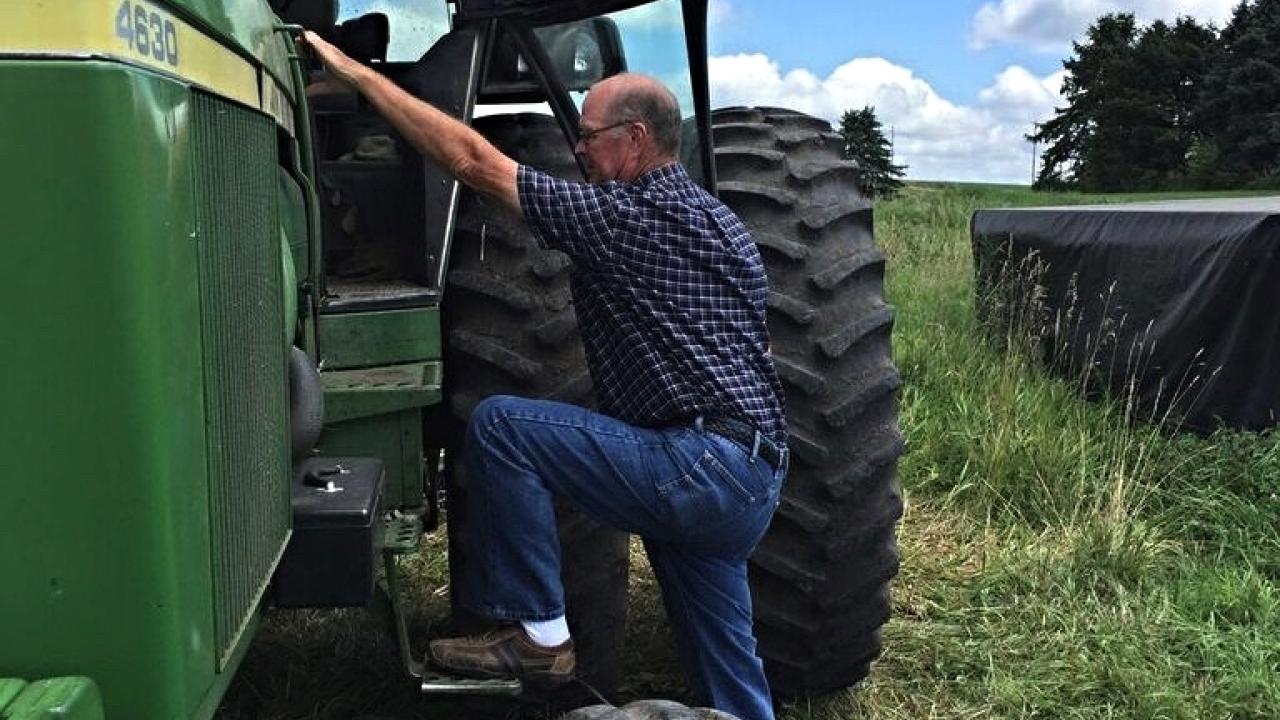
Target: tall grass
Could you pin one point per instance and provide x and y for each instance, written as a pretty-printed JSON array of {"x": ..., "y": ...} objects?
[{"x": 1058, "y": 560}]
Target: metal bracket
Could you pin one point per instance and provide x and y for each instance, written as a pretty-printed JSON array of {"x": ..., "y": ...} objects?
[
  {"x": 402, "y": 534},
  {"x": 391, "y": 571}
]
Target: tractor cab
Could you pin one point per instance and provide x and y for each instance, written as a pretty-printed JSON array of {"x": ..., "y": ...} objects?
[{"x": 388, "y": 214}]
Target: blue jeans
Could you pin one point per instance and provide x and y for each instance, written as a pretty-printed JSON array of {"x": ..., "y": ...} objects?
[{"x": 700, "y": 502}]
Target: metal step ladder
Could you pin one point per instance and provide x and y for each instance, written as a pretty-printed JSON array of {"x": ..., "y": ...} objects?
[{"x": 403, "y": 536}]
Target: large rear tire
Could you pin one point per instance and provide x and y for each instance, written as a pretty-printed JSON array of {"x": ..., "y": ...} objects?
[
  {"x": 820, "y": 579},
  {"x": 821, "y": 576},
  {"x": 510, "y": 329}
]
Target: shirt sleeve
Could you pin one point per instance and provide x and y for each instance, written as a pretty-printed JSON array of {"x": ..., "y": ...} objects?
[{"x": 576, "y": 218}]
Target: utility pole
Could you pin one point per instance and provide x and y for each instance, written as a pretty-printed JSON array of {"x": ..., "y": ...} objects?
[{"x": 1035, "y": 149}]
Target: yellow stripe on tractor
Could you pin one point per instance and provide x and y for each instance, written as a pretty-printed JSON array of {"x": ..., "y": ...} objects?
[{"x": 140, "y": 33}]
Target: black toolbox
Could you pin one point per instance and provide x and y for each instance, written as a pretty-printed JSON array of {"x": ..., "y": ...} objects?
[{"x": 337, "y": 533}]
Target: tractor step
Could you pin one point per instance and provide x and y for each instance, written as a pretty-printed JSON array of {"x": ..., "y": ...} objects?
[
  {"x": 436, "y": 684},
  {"x": 402, "y": 535}
]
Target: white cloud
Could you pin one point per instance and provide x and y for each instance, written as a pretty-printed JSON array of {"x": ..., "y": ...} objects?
[
  {"x": 936, "y": 138},
  {"x": 1018, "y": 94},
  {"x": 1051, "y": 25}
]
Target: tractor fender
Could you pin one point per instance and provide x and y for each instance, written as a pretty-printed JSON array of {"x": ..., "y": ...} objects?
[{"x": 306, "y": 403}]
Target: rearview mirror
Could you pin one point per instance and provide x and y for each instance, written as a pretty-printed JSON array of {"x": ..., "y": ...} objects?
[{"x": 581, "y": 53}]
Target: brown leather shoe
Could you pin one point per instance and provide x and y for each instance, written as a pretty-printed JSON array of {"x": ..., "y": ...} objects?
[{"x": 503, "y": 653}]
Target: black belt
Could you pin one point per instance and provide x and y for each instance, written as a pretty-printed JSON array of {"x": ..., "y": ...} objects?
[{"x": 744, "y": 434}]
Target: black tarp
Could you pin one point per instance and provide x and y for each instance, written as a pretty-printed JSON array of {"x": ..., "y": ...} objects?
[{"x": 1170, "y": 304}]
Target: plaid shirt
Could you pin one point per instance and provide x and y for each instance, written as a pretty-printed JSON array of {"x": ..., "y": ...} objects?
[{"x": 670, "y": 293}]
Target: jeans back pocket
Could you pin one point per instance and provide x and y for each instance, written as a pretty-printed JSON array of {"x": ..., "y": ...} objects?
[{"x": 704, "y": 498}]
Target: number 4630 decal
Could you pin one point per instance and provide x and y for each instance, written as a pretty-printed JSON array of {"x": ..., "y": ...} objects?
[{"x": 148, "y": 32}]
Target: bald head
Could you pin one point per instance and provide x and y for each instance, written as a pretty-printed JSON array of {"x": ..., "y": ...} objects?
[{"x": 637, "y": 97}]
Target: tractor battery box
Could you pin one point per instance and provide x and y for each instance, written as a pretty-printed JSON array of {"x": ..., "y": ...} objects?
[{"x": 337, "y": 524}]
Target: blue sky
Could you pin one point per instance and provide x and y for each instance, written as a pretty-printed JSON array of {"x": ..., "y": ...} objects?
[
  {"x": 928, "y": 37},
  {"x": 959, "y": 81}
]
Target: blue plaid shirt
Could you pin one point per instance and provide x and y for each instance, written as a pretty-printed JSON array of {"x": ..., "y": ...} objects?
[{"x": 670, "y": 294}]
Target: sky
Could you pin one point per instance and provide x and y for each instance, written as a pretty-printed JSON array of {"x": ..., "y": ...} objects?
[{"x": 957, "y": 84}]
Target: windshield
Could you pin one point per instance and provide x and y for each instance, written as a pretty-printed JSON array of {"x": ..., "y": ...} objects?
[
  {"x": 653, "y": 40},
  {"x": 653, "y": 37},
  {"x": 415, "y": 24}
]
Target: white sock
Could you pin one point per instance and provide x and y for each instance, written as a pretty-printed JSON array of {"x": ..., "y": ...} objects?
[{"x": 547, "y": 633}]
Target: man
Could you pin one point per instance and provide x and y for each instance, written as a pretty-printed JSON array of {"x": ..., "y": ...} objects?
[{"x": 688, "y": 450}]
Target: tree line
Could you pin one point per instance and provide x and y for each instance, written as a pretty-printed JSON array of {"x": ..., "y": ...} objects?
[{"x": 1168, "y": 106}]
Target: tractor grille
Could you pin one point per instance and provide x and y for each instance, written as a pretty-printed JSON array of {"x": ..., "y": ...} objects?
[{"x": 245, "y": 403}]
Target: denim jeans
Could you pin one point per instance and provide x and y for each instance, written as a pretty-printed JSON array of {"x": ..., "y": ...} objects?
[{"x": 700, "y": 502}]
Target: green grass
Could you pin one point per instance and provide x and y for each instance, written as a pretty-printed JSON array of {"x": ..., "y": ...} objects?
[{"x": 1057, "y": 562}]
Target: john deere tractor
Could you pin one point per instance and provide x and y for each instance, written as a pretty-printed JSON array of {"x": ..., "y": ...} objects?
[{"x": 244, "y": 322}]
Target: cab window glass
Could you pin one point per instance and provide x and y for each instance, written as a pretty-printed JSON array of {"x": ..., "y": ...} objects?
[
  {"x": 415, "y": 24},
  {"x": 654, "y": 44},
  {"x": 653, "y": 40}
]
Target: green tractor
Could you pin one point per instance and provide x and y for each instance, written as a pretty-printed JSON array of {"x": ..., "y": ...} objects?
[{"x": 244, "y": 324}]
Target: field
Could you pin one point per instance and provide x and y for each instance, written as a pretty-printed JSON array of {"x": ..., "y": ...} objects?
[{"x": 1057, "y": 562}]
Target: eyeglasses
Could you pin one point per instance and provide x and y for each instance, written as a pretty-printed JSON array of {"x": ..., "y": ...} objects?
[{"x": 587, "y": 136}]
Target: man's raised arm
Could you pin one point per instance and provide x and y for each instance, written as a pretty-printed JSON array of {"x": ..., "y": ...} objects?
[{"x": 455, "y": 147}]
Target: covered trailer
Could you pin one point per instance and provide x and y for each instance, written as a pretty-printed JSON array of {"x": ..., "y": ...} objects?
[{"x": 1172, "y": 305}]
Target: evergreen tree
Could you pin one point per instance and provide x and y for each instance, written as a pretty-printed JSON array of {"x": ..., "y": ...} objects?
[
  {"x": 1131, "y": 93},
  {"x": 1080, "y": 140},
  {"x": 1171, "y": 62},
  {"x": 1240, "y": 100},
  {"x": 865, "y": 144}
]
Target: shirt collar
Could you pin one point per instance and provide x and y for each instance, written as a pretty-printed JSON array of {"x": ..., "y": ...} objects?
[{"x": 671, "y": 171}]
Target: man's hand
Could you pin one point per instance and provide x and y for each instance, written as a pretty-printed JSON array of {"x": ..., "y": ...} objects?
[
  {"x": 342, "y": 69},
  {"x": 452, "y": 145}
]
